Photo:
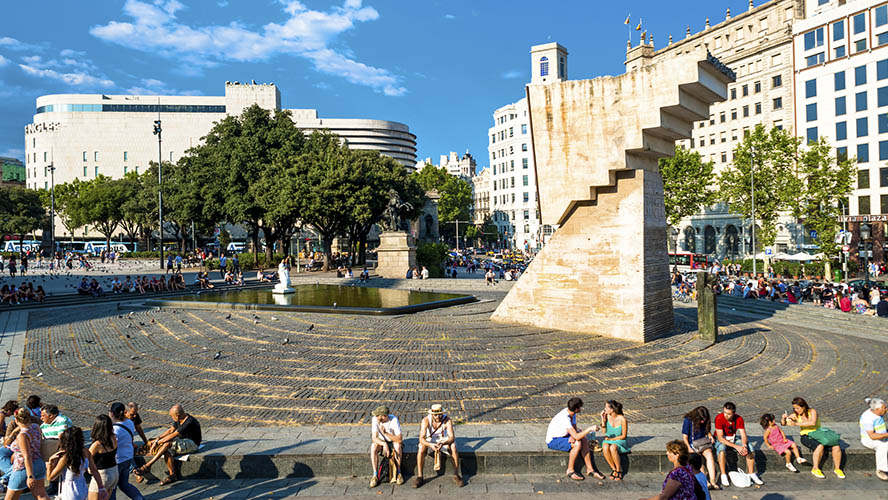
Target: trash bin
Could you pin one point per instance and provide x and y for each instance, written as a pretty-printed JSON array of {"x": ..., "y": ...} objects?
[{"x": 837, "y": 275}]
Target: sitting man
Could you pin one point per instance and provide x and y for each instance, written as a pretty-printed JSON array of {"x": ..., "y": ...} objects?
[
  {"x": 730, "y": 432},
  {"x": 564, "y": 435},
  {"x": 83, "y": 288},
  {"x": 436, "y": 437},
  {"x": 365, "y": 275},
  {"x": 116, "y": 286},
  {"x": 182, "y": 438},
  {"x": 132, "y": 413},
  {"x": 94, "y": 289},
  {"x": 52, "y": 426},
  {"x": 264, "y": 277},
  {"x": 874, "y": 435},
  {"x": 385, "y": 436}
]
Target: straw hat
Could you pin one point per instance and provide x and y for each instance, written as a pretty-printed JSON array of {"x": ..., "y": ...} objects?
[{"x": 436, "y": 409}]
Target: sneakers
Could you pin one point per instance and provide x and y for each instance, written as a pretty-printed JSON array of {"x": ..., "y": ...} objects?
[
  {"x": 882, "y": 475},
  {"x": 374, "y": 481},
  {"x": 801, "y": 460},
  {"x": 817, "y": 473},
  {"x": 791, "y": 468},
  {"x": 839, "y": 473},
  {"x": 755, "y": 478},
  {"x": 724, "y": 480}
]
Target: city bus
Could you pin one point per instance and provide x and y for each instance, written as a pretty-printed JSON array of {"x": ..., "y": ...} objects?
[
  {"x": 686, "y": 261},
  {"x": 27, "y": 245}
]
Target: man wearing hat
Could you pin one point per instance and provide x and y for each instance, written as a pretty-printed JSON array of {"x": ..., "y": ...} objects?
[
  {"x": 385, "y": 434},
  {"x": 436, "y": 436}
]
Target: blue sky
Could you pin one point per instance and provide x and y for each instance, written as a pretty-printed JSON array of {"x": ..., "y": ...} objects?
[{"x": 441, "y": 67}]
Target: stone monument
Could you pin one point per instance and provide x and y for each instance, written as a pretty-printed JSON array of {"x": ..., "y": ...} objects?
[
  {"x": 284, "y": 276},
  {"x": 596, "y": 145},
  {"x": 397, "y": 251},
  {"x": 707, "y": 307}
]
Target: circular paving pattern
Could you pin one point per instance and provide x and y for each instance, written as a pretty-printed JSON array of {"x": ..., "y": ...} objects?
[{"x": 294, "y": 368}]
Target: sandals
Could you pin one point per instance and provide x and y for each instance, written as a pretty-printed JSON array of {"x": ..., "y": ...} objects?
[
  {"x": 575, "y": 476},
  {"x": 139, "y": 472},
  {"x": 169, "y": 480},
  {"x": 597, "y": 475},
  {"x": 617, "y": 475}
]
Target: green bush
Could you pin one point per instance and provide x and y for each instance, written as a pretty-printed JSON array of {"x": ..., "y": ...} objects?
[
  {"x": 247, "y": 262},
  {"x": 432, "y": 256}
]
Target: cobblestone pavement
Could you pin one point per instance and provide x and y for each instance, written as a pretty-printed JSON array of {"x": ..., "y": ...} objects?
[
  {"x": 508, "y": 487},
  {"x": 335, "y": 369}
]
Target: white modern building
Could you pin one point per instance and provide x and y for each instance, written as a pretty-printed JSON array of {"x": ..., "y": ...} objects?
[
  {"x": 841, "y": 91},
  {"x": 85, "y": 135},
  {"x": 514, "y": 206}
]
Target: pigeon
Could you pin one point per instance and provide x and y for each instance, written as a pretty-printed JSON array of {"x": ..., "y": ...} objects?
[
  {"x": 183, "y": 321},
  {"x": 141, "y": 324},
  {"x": 40, "y": 374},
  {"x": 58, "y": 351},
  {"x": 228, "y": 316},
  {"x": 128, "y": 336},
  {"x": 255, "y": 317},
  {"x": 120, "y": 316},
  {"x": 134, "y": 357},
  {"x": 152, "y": 321},
  {"x": 274, "y": 319},
  {"x": 256, "y": 321},
  {"x": 217, "y": 355},
  {"x": 286, "y": 341},
  {"x": 334, "y": 304},
  {"x": 130, "y": 314},
  {"x": 310, "y": 327},
  {"x": 8, "y": 353},
  {"x": 90, "y": 341}
]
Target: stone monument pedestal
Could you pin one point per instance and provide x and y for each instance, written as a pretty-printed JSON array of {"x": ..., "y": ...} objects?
[
  {"x": 282, "y": 288},
  {"x": 395, "y": 255}
]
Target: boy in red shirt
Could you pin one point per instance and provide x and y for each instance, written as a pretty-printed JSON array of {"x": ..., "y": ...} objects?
[{"x": 730, "y": 432}]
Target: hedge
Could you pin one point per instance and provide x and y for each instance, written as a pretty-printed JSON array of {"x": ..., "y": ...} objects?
[{"x": 432, "y": 256}]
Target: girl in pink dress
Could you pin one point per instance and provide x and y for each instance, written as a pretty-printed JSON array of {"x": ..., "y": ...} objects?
[{"x": 776, "y": 440}]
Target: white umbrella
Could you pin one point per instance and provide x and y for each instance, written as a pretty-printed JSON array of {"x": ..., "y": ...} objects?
[
  {"x": 762, "y": 256},
  {"x": 782, "y": 256},
  {"x": 802, "y": 256}
]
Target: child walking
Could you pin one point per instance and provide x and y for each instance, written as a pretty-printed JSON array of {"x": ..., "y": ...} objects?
[{"x": 776, "y": 440}]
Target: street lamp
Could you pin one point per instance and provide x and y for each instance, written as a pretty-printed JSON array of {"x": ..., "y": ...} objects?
[
  {"x": 752, "y": 193},
  {"x": 865, "y": 231},
  {"x": 52, "y": 248},
  {"x": 157, "y": 131}
]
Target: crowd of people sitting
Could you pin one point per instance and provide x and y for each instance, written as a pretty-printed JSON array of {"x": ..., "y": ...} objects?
[
  {"x": 11, "y": 294},
  {"x": 41, "y": 445}
]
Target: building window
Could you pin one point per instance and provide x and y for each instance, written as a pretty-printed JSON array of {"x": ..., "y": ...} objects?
[
  {"x": 863, "y": 153},
  {"x": 811, "y": 88},
  {"x": 840, "y": 80},
  {"x": 883, "y": 178},
  {"x": 511, "y": 131},
  {"x": 812, "y": 135},
  {"x": 882, "y": 96},
  {"x": 777, "y": 103},
  {"x": 44, "y": 156},
  {"x": 712, "y": 119},
  {"x": 84, "y": 156},
  {"x": 814, "y": 39},
  {"x": 734, "y": 114},
  {"x": 882, "y": 69},
  {"x": 137, "y": 169},
  {"x": 124, "y": 170},
  {"x": 84, "y": 170},
  {"x": 512, "y": 165},
  {"x": 863, "y": 205},
  {"x": 859, "y": 23},
  {"x": 757, "y": 87},
  {"x": 777, "y": 81},
  {"x": 863, "y": 179},
  {"x": 811, "y": 112},
  {"x": 745, "y": 111},
  {"x": 544, "y": 66},
  {"x": 881, "y": 15},
  {"x": 758, "y": 108},
  {"x": 862, "y": 127},
  {"x": 860, "y": 101},
  {"x": 840, "y": 106},
  {"x": 734, "y": 134},
  {"x": 883, "y": 123},
  {"x": 97, "y": 172},
  {"x": 881, "y": 39},
  {"x": 526, "y": 197},
  {"x": 733, "y": 93},
  {"x": 721, "y": 117},
  {"x": 839, "y": 52},
  {"x": 814, "y": 60},
  {"x": 841, "y": 131},
  {"x": 724, "y": 157},
  {"x": 883, "y": 150},
  {"x": 885, "y": 203},
  {"x": 838, "y": 30},
  {"x": 745, "y": 90},
  {"x": 860, "y": 45},
  {"x": 523, "y": 162},
  {"x": 125, "y": 156},
  {"x": 524, "y": 146},
  {"x": 561, "y": 67},
  {"x": 841, "y": 154},
  {"x": 860, "y": 75},
  {"x": 524, "y": 180}
]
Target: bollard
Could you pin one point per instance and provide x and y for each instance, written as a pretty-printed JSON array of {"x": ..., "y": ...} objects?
[{"x": 707, "y": 315}]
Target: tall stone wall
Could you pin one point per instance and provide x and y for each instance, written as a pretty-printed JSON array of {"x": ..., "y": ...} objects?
[{"x": 596, "y": 145}]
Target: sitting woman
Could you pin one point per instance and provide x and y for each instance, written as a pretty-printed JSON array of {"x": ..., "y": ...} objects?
[
  {"x": 260, "y": 275},
  {"x": 239, "y": 281},
  {"x": 616, "y": 429},
  {"x": 229, "y": 277},
  {"x": 861, "y": 306},
  {"x": 153, "y": 284},
  {"x": 697, "y": 435},
  {"x": 39, "y": 294},
  {"x": 204, "y": 280},
  {"x": 814, "y": 437},
  {"x": 7, "y": 295},
  {"x": 828, "y": 297},
  {"x": 844, "y": 301},
  {"x": 679, "y": 483}
]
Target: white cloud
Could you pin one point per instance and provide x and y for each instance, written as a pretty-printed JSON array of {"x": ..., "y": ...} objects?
[
  {"x": 14, "y": 44},
  {"x": 3, "y": 61},
  {"x": 150, "y": 86},
  {"x": 511, "y": 75},
  {"x": 449, "y": 16},
  {"x": 322, "y": 85},
  {"x": 75, "y": 78},
  {"x": 222, "y": 3},
  {"x": 307, "y": 33}
]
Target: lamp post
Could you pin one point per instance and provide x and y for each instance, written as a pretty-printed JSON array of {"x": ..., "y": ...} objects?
[
  {"x": 752, "y": 193},
  {"x": 865, "y": 232},
  {"x": 157, "y": 132},
  {"x": 52, "y": 248}
]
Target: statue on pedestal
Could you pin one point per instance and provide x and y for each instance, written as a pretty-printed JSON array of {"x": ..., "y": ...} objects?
[
  {"x": 391, "y": 219},
  {"x": 284, "y": 276}
]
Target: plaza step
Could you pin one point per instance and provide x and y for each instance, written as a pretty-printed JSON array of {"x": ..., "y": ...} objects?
[
  {"x": 485, "y": 449},
  {"x": 806, "y": 315}
]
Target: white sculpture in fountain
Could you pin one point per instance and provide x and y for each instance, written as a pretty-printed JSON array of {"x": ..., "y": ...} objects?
[{"x": 284, "y": 276}]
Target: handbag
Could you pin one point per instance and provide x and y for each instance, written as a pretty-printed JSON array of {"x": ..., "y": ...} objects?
[
  {"x": 701, "y": 444},
  {"x": 825, "y": 436}
]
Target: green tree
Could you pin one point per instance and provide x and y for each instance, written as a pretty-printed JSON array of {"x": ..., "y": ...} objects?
[
  {"x": 455, "y": 203},
  {"x": 825, "y": 182},
  {"x": 100, "y": 205},
  {"x": 687, "y": 182},
  {"x": 774, "y": 169},
  {"x": 21, "y": 211},
  {"x": 67, "y": 201},
  {"x": 139, "y": 208}
]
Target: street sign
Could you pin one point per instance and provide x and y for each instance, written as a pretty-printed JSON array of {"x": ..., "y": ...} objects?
[
  {"x": 846, "y": 248},
  {"x": 767, "y": 251},
  {"x": 813, "y": 234}
]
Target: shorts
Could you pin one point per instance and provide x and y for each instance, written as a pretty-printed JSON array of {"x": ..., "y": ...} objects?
[
  {"x": 109, "y": 480},
  {"x": 18, "y": 480},
  {"x": 560, "y": 444},
  {"x": 720, "y": 447},
  {"x": 183, "y": 447}
]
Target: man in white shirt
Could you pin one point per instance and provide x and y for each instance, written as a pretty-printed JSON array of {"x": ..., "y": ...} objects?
[
  {"x": 425, "y": 273},
  {"x": 874, "y": 435},
  {"x": 385, "y": 434},
  {"x": 564, "y": 435}
]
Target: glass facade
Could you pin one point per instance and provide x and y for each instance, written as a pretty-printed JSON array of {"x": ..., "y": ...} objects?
[{"x": 129, "y": 108}]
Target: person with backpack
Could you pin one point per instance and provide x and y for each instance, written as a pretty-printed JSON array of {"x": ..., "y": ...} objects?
[{"x": 124, "y": 430}]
